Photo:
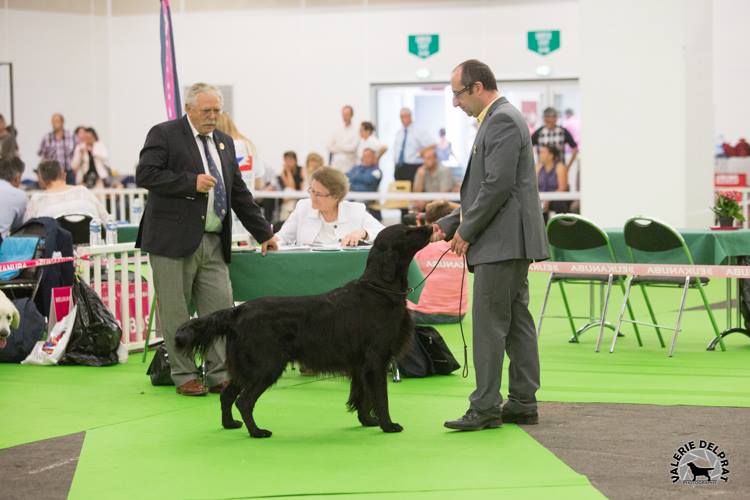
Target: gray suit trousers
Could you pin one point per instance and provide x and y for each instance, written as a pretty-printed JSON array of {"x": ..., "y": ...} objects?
[
  {"x": 502, "y": 323},
  {"x": 200, "y": 280}
]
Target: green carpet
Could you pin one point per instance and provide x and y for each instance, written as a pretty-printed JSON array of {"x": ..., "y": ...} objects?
[{"x": 145, "y": 441}]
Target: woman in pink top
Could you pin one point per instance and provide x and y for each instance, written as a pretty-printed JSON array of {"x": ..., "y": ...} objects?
[{"x": 441, "y": 296}]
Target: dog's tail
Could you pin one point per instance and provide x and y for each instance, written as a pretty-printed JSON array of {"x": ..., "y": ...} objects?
[{"x": 197, "y": 335}]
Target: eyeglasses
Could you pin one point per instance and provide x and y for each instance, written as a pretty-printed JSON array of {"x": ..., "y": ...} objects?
[
  {"x": 318, "y": 194},
  {"x": 209, "y": 111},
  {"x": 457, "y": 93}
]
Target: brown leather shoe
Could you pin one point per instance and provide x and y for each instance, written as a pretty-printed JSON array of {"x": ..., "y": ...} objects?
[
  {"x": 192, "y": 388},
  {"x": 219, "y": 388}
]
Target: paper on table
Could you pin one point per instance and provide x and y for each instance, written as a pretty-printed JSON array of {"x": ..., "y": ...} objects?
[{"x": 294, "y": 248}]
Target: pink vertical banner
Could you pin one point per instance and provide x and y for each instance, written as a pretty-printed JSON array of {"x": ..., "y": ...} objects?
[{"x": 169, "y": 63}]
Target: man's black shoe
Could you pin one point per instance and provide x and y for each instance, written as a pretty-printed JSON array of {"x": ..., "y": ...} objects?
[
  {"x": 529, "y": 418},
  {"x": 474, "y": 421}
]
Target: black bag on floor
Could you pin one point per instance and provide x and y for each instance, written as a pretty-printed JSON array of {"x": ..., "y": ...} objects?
[
  {"x": 30, "y": 330},
  {"x": 159, "y": 370},
  {"x": 96, "y": 334},
  {"x": 443, "y": 362},
  {"x": 427, "y": 354}
]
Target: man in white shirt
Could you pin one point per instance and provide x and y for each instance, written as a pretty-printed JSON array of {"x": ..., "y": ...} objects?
[
  {"x": 408, "y": 148},
  {"x": 343, "y": 144}
]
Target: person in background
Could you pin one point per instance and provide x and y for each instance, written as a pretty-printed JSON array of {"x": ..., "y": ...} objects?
[
  {"x": 8, "y": 144},
  {"x": 313, "y": 162},
  {"x": 59, "y": 145},
  {"x": 554, "y": 135},
  {"x": 444, "y": 147},
  {"x": 343, "y": 145},
  {"x": 431, "y": 178},
  {"x": 572, "y": 124},
  {"x": 13, "y": 207},
  {"x": 441, "y": 297},
  {"x": 244, "y": 149},
  {"x": 90, "y": 161},
  {"x": 326, "y": 218},
  {"x": 368, "y": 139},
  {"x": 552, "y": 176},
  {"x": 186, "y": 227},
  {"x": 366, "y": 178},
  {"x": 408, "y": 147},
  {"x": 60, "y": 198},
  {"x": 79, "y": 133}
]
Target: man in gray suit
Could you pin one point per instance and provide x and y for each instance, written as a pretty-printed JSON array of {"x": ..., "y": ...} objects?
[{"x": 500, "y": 229}]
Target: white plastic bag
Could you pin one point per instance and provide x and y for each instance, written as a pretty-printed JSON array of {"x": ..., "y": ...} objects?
[{"x": 49, "y": 352}]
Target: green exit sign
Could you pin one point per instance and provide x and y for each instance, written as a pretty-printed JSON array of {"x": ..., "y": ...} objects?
[
  {"x": 424, "y": 46},
  {"x": 544, "y": 42}
]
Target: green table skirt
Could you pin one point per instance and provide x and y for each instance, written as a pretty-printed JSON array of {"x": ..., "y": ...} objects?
[
  {"x": 706, "y": 246},
  {"x": 300, "y": 273}
]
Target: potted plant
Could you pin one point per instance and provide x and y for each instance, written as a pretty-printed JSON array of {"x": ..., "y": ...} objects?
[{"x": 727, "y": 208}]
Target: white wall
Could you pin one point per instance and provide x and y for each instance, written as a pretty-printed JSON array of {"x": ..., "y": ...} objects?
[
  {"x": 59, "y": 65},
  {"x": 293, "y": 69},
  {"x": 731, "y": 68}
]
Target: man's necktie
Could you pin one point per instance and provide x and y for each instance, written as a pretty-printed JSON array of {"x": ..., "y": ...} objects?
[
  {"x": 220, "y": 194},
  {"x": 403, "y": 149}
]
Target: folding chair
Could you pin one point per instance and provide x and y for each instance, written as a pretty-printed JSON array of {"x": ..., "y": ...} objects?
[
  {"x": 578, "y": 239},
  {"x": 78, "y": 226},
  {"x": 651, "y": 241}
]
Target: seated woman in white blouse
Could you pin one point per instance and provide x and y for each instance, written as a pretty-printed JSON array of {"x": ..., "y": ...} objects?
[{"x": 326, "y": 218}]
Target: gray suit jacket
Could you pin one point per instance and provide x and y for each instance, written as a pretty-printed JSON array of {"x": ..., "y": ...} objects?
[{"x": 500, "y": 214}]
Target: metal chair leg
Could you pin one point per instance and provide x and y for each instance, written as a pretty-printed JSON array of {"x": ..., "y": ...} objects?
[
  {"x": 570, "y": 314},
  {"x": 717, "y": 333},
  {"x": 622, "y": 313},
  {"x": 631, "y": 314},
  {"x": 605, "y": 304},
  {"x": 544, "y": 305},
  {"x": 679, "y": 315},
  {"x": 651, "y": 313}
]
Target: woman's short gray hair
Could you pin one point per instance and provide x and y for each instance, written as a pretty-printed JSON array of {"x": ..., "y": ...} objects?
[
  {"x": 191, "y": 98},
  {"x": 334, "y": 181}
]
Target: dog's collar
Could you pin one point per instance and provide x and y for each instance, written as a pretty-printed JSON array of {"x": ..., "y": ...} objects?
[{"x": 388, "y": 290}]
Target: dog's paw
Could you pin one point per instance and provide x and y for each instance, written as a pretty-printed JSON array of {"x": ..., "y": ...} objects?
[
  {"x": 260, "y": 433},
  {"x": 231, "y": 424},
  {"x": 368, "y": 420},
  {"x": 392, "y": 427}
]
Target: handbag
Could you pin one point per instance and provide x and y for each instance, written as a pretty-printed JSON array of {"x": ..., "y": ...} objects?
[{"x": 159, "y": 370}]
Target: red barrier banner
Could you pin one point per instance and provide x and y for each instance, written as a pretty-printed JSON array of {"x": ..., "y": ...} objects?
[{"x": 24, "y": 264}]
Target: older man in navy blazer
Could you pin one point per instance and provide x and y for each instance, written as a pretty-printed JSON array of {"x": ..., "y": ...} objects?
[
  {"x": 191, "y": 173},
  {"x": 500, "y": 229}
]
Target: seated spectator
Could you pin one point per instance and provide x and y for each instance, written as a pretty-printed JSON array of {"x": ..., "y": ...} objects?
[
  {"x": 312, "y": 163},
  {"x": 90, "y": 161},
  {"x": 552, "y": 175},
  {"x": 431, "y": 177},
  {"x": 8, "y": 144},
  {"x": 14, "y": 199},
  {"x": 441, "y": 296},
  {"x": 368, "y": 139},
  {"x": 326, "y": 218},
  {"x": 59, "y": 198},
  {"x": 366, "y": 177}
]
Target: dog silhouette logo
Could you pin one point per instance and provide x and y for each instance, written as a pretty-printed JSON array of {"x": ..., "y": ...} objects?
[{"x": 699, "y": 462}]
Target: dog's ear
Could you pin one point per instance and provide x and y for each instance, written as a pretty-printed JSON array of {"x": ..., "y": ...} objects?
[
  {"x": 16, "y": 319},
  {"x": 388, "y": 265}
]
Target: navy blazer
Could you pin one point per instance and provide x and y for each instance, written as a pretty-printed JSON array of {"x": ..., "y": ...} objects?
[{"x": 174, "y": 219}]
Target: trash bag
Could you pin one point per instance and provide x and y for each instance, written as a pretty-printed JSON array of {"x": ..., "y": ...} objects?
[
  {"x": 159, "y": 370},
  {"x": 96, "y": 334}
]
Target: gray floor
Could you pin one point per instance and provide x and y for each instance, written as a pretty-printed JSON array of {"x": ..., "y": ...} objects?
[{"x": 624, "y": 450}]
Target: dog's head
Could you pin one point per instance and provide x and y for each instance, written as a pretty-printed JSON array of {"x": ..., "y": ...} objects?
[
  {"x": 9, "y": 319},
  {"x": 394, "y": 248}
]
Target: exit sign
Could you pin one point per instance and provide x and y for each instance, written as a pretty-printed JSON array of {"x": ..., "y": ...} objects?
[
  {"x": 544, "y": 42},
  {"x": 423, "y": 46}
]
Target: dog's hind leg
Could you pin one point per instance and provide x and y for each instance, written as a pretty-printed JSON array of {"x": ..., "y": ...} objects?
[
  {"x": 361, "y": 400},
  {"x": 376, "y": 380},
  {"x": 249, "y": 396},
  {"x": 228, "y": 397}
]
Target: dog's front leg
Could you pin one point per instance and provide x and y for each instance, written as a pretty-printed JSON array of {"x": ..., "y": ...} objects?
[
  {"x": 377, "y": 380},
  {"x": 228, "y": 397}
]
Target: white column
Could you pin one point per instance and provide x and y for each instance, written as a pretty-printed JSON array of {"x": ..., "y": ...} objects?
[{"x": 647, "y": 105}]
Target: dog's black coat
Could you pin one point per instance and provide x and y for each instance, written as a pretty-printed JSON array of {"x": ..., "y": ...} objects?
[{"x": 354, "y": 331}]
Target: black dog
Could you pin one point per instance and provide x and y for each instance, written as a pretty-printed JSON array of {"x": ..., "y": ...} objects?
[
  {"x": 353, "y": 331},
  {"x": 700, "y": 471}
]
